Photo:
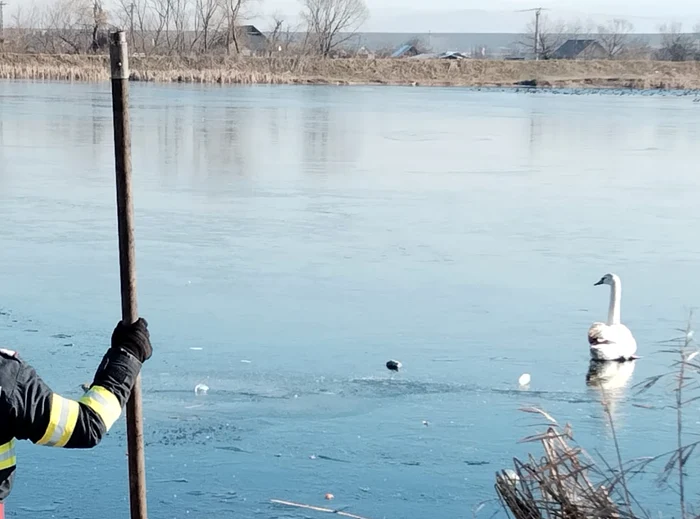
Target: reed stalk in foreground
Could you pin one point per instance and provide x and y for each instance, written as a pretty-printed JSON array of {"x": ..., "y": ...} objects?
[{"x": 568, "y": 483}]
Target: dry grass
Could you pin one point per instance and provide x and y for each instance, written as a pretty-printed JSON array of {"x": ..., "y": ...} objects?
[
  {"x": 568, "y": 483},
  {"x": 561, "y": 484},
  {"x": 293, "y": 70}
]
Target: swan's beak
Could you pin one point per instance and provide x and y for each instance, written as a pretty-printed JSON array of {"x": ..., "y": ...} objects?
[{"x": 598, "y": 283}]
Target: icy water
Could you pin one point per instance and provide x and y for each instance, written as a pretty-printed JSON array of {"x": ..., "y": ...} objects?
[{"x": 291, "y": 240}]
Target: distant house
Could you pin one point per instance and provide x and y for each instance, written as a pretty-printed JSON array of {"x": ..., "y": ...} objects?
[
  {"x": 364, "y": 52},
  {"x": 252, "y": 40},
  {"x": 580, "y": 49},
  {"x": 405, "y": 51},
  {"x": 440, "y": 55}
]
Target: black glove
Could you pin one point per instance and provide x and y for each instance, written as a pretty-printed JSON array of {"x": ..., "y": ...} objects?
[{"x": 134, "y": 338}]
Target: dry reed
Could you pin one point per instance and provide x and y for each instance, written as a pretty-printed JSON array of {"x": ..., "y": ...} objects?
[
  {"x": 560, "y": 484},
  {"x": 308, "y": 70},
  {"x": 566, "y": 482}
]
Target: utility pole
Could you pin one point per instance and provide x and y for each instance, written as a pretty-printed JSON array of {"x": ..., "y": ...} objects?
[
  {"x": 536, "y": 44},
  {"x": 537, "y": 34},
  {"x": 2, "y": 21},
  {"x": 131, "y": 29}
]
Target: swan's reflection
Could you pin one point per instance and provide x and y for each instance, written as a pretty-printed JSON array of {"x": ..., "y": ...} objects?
[{"x": 610, "y": 379}]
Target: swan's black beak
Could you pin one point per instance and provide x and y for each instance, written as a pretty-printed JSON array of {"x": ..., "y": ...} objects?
[{"x": 598, "y": 283}]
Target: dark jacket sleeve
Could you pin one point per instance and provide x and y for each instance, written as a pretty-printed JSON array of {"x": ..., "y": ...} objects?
[{"x": 46, "y": 418}]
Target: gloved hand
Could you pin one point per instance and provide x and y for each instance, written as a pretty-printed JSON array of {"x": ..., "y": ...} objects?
[{"x": 134, "y": 338}]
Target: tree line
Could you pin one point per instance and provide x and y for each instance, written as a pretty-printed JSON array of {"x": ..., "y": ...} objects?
[
  {"x": 180, "y": 26},
  {"x": 616, "y": 38},
  {"x": 186, "y": 27}
]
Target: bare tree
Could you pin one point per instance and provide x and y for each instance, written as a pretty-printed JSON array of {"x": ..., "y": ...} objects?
[
  {"x": 208, "y": 19},
  {"x": 232, "y": 12},
  {"x": 137, "y": 17},
  {"x": 551, "y": 36},
  {"x": 287, "y": 38},
  {"x": 161, "y": 19},
  {"x": 274, "y": 35},
  {"x": 180, "y": 10},
  {"x": 614, "y": 37},
  {"x": 67, "y": 23},
  {"x": 675, "y": 45},
  {"x": 333, "y": 22},
  {"x": 25, "y": 21},
  {"x": 579, "y": 29},
  {"x": 99, "y": 20},
  {"x": 638, "y": 48}
]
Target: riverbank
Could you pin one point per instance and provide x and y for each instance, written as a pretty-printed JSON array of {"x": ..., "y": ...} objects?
[{"x": 296, "y": 70}]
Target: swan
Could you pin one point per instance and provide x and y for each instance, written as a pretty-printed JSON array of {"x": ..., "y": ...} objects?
[{"x": 612, "y": 340}]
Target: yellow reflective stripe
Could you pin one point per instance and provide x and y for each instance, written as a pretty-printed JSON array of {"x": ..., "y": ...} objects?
[
  {"x": 73, "y": 412},
  {"x": 104, "y": 403},
  {"x": 7, "y": 455},
  {"x": 53, "y": 419},
  {"x": 62, "y": 421}
]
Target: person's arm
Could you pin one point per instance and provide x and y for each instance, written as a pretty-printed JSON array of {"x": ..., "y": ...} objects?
[{"x": 47, "y": 418}]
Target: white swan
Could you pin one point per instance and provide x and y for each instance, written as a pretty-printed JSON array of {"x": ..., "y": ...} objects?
[{"x": 612, "y": 340}]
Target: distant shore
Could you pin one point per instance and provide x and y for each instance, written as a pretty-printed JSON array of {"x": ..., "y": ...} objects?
[{"x": 306, "y": 70}]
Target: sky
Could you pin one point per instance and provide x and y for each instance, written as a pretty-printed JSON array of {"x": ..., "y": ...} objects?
[{"x": 419, "y": 16}]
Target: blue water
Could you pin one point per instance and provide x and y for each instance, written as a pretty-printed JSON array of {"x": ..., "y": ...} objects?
[{"x": 316, "y": 232}]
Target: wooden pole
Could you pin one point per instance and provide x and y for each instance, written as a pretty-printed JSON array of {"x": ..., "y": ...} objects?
[{"x": 127, "y": 265}]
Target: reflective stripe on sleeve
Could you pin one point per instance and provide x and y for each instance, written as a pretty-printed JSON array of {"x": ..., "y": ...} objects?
[
  {"x": 64, "y": 416},
  {"x": 104, "y": 403},
  {"x": 7, "y": 455}
]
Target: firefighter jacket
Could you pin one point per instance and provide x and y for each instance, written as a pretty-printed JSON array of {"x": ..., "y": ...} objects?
[{"x": 30, "y": 410}]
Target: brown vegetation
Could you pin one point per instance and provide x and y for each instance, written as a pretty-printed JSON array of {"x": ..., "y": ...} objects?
[
  {"x": 313, "y": 70},
  {"x": 566, "y": 482}
]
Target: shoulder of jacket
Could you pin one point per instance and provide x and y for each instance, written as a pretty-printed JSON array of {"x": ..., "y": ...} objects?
[
  {"x": 11, "y": 366},
  {"x": 9, "y": 354}
]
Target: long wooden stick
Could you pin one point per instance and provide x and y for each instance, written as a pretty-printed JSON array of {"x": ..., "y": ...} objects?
[
  {"x": 127, "y": 265},
  {"x": 316, "y": 508}
]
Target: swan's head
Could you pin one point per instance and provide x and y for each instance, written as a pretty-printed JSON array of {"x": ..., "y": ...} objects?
[{"x": 607, "y": 279}]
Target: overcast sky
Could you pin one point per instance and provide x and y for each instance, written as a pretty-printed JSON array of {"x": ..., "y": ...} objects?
[{"x": 472, "y": 16}]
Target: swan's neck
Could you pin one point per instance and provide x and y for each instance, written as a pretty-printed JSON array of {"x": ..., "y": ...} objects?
[{"x": 614, "y": 310}]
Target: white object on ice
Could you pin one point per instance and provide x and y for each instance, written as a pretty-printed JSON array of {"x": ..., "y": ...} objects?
[{"x": 524, "y": 379}]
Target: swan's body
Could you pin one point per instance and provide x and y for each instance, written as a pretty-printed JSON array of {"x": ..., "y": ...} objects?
[{"x": 612, "y": 340}]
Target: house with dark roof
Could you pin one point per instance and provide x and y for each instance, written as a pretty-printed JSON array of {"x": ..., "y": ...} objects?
[
  {"x": 405, "y": 51},
  {"x": 252, "y": 40},
  {"x": 580, "y": 49}
]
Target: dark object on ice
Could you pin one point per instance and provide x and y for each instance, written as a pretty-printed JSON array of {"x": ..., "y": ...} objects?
[{"x": 393, "y": 365}]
